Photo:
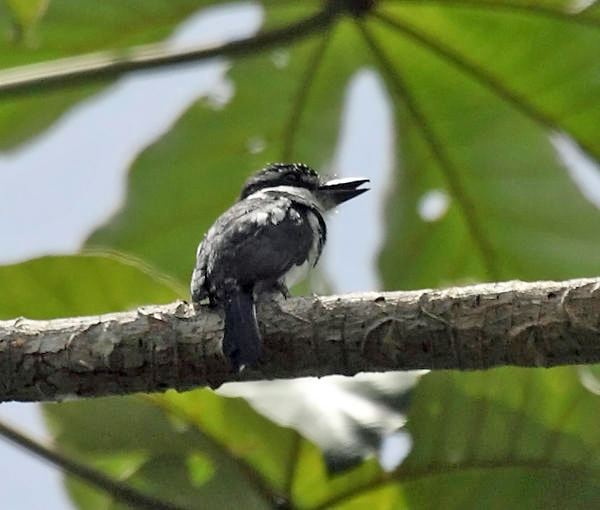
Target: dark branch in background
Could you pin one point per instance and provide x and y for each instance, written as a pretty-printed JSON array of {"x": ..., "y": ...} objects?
[
  {"x": 528, "y": 7},
  {"x": 538, "y": 324},
  {"x": 467, "y": 207},
  {"x": 480, "y": 74},
  {"x": 118, "y": 490},
  {"x": 111, "y": 64}
]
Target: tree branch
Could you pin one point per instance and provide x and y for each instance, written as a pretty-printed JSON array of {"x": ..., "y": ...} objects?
[
  {"x": 537, "y": 324},
  {"x": 111, "y": 64}
]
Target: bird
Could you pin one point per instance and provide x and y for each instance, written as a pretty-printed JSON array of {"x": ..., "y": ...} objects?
[{"x": 263, "y": 244}]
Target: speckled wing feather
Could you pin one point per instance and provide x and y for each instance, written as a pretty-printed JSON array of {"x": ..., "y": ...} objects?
[{"x": 252, "y": 239}]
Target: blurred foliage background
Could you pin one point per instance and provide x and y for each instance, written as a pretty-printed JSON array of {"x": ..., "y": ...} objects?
[{"x": 496, "y": 108}]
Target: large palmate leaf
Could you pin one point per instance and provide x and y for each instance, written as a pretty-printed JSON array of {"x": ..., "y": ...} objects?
[
  {"x": 474, "y": 112},
  {"x": 470, "y": 124}
]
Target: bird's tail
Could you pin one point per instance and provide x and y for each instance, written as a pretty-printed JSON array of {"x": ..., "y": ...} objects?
[{"x": 241, "y": 342}]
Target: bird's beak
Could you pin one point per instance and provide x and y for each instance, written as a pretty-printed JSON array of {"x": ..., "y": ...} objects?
[{"x": 336, "y": 191}]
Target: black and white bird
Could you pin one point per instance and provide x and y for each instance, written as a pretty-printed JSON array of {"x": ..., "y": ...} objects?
[{"x": 267, "y": 241}]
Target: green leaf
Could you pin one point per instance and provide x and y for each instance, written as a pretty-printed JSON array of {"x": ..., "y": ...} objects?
[
  {"x": 562, "y": 95},
  {"x": 73, "y": 27},
  {"x": 509, "y": 437},
  {"x": 225, "y": 453},
  {"x": 520, "y": 438},
  {"x": 129, "y": 426},
  {"x": 486, "y": 144},
  {"x": 67, "y": 286},
  {"x": 265, "y": 447},
  {"x": 316, "y": 489}
]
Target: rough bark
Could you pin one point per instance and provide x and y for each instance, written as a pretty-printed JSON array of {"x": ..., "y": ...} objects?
[{"x": 153, "y": 348}]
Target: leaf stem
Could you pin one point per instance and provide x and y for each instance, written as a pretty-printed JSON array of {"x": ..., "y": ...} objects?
[
  {"x": 111, "y": 64},
  {"x": 302, "y": 95}
]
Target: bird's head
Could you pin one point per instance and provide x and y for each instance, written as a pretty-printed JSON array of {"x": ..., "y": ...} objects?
[{"x": 297, "y": 175}]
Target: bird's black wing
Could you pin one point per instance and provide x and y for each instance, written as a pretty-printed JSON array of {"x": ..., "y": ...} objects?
[{"x": 256, "y": 240}]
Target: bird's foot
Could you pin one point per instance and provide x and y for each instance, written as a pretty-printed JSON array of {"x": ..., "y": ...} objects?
[
  {"x": 272, "y": 293},
  {"x": 282, "y": 289}
]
